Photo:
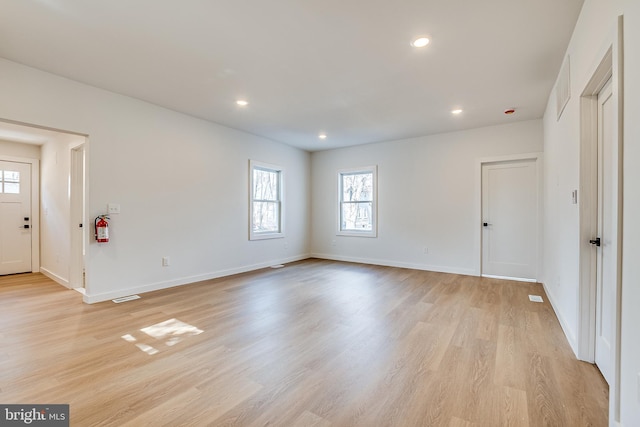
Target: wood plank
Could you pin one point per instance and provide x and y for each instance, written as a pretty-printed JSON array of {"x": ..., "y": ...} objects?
[{"x": 317, "y": 343}]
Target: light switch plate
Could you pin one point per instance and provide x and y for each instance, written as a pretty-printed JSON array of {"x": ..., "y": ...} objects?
[{"x": 113, "y": 208}]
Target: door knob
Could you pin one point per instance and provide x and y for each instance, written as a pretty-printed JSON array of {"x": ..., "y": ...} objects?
[{"x": 595, "y": 241}]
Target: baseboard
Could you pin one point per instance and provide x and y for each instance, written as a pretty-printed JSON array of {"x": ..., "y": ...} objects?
[
  {"x": 573, "y": 343},
  {"x": 389, "y": 263},
  {"x": 515, "y": 279},
  {"x": 56, "y": 278},
  {"x": 106, "y": 296}
]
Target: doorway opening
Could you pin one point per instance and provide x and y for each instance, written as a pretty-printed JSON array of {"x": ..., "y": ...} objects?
[{"x": 57, "y": 160}]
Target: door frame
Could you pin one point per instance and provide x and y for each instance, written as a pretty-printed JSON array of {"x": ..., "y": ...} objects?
[
  {"x": 538, "y": 158},
  {"x": 35, "y": 207}
]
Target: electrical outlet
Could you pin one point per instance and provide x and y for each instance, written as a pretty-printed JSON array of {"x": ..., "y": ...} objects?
[
  {"x": 166, "y": 262},
  {"x": 425, "y": 250},
  {"x": 333, "y": 243},
  {"x": 286, "y": 245}
]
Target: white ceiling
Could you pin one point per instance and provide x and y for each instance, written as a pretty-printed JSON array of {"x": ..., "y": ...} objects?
[{"x": 306, "y": 66}]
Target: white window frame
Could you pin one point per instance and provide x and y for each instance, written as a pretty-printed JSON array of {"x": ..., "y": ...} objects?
[
  {"x": 374, "y": 202},
  {"x": 261, "y": 235}
]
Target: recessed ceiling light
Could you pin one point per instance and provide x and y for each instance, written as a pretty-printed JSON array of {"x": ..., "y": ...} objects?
[
  {"x": 322, "y": 136},
  {"x": 456, "y": 111},
  {"x": 242, "y": 102},
  {"x": 420, "y": 42}
]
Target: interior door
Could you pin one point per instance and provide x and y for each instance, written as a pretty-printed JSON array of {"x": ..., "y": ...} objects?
[
  {"x": 605, "y": 263},
  {"x": 15, "y": 217},
  {"x": 510, "y": 219},
  {"x": 76, "y": 267}
]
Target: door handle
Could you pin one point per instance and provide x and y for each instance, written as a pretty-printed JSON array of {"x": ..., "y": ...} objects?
[
  {"x": 595, "y": 241},
  {"x": 24, "y": 226},
  {"x": 485, "y": 224}
]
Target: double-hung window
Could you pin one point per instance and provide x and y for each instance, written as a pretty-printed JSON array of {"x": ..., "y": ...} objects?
[
  {"x": 265, "y": 216},
  {"x": 357, "y": 202}
]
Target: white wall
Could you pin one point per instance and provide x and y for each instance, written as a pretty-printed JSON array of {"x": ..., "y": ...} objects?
[
  {"x": 630, "y": 339},
  {"x": 54, "y": 212},
  {"x": 55, "y": 219},
  {"x": 16, "y": 149},
  {"x": 182, "y": 184},
  {"x": 594, "y": 33},
  {"x": 426, "y": 196}
]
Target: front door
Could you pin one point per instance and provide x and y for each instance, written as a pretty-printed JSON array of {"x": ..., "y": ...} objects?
[
  {"x": 15, "y": 217},
  {"x": 510, "y": 219}
]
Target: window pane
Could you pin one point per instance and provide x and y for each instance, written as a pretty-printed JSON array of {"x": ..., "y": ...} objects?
[
  {"x": 12, "y": 182},
  {"x": 357, "y": 216},
  {"x": 266, "y": 217},
  {"x": 11, "y": 188},
  {"x": 357, "y": 187},
  {"x": 265, "y": 184},
  {"x": 12, "y": 176}
]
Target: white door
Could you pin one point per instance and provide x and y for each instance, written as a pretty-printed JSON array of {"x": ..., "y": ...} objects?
[
  {"x": 605, "y": 263},
  {"x": 15, "y": 217},
  {"x": 76, "y": 267},
  {"x": 510, "y": 219}
]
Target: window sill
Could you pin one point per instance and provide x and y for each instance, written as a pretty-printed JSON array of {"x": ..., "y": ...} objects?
[
  {"x": 355, "y": 233},
  {"x": 265, "y": 236}
]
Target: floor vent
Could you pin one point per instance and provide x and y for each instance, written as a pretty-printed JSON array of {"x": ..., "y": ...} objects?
[
  {"x": 124, "y": 299},
  {"x": 535, "y": 298}
]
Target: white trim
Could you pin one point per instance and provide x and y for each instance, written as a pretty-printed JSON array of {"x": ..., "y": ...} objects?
[
  {"x": 35, "y": 207},
  {"x": 477, "y": 237},
  {"x": 106, "y": 296},
  {"x": 568, "y": 332},
  {"x": 515, "y": 279},
  {"x": 374, "y": 204},
  {"x": 56, "y": 278},
  {"x": 281, "y": 174},
  {"x": 393, "y": 263}
]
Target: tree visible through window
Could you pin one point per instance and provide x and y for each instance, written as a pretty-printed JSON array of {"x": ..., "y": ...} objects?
[
  {"x": 266, "y": 201},
  {"x": 357, "y": 202}
]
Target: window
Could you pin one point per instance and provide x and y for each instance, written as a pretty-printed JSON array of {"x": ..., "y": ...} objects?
[
  {"x": 10, "y": 182},
  {"x": 357, "y": 202},
  {"x": 266, "y": 219}
]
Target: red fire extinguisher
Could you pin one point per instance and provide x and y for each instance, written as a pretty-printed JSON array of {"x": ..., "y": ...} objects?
[{"x": 102, "y": 228}]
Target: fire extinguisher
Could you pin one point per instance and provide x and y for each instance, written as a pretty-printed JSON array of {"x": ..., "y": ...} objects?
[{"x": 102, "y": 228}]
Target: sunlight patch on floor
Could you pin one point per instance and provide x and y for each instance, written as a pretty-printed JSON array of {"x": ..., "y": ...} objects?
[{"x": 170, "y": 332}]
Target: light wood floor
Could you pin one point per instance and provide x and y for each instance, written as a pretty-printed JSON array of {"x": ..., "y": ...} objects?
[{"x": 317, "y": 343}]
